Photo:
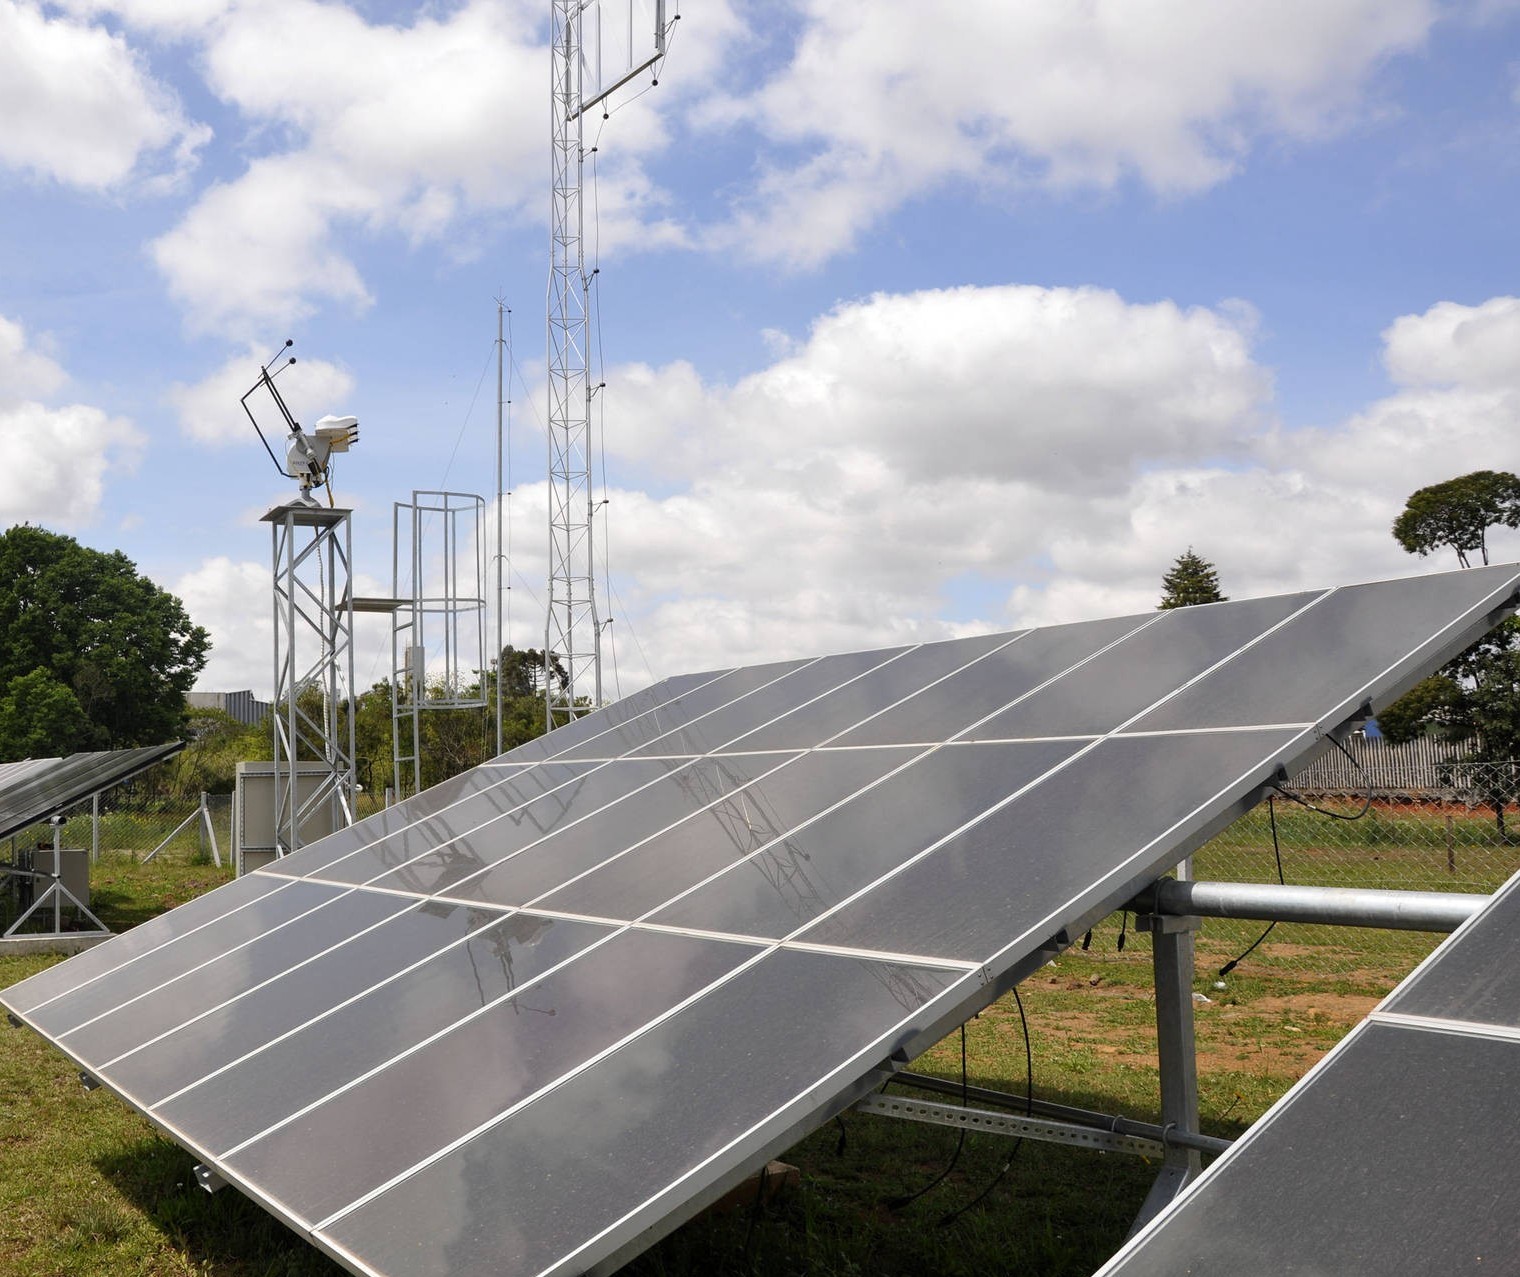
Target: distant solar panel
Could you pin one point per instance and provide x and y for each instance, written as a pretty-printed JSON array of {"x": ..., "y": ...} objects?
[
  {"x": 1395, "y": 1154},
  {"x": 535, "y": 1017},
  {"x": 39, "y": 788}
]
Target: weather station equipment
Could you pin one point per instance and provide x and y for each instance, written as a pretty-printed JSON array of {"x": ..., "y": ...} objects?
[
  {"x": 313, "y": 769},
  {"x": 595, "y": 53}
]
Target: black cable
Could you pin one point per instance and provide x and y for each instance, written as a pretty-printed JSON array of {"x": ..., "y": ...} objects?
[
  {"x": 1277, "y": 853},
  {"x": 897, "y": 1203},
  {"x": 844, "y": 1136},
  {"x": 997, "y": 1179},
  {"x": 1325, "y": 811},
  {"x": 1123, "y": 931},
  {"x": 756, "y": 1208}
]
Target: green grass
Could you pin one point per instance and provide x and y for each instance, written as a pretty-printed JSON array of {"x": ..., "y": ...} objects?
[{"x": 88, "y": 1188}]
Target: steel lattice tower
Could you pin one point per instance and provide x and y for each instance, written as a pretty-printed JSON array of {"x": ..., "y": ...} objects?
[{"x": 573, "y": 633}]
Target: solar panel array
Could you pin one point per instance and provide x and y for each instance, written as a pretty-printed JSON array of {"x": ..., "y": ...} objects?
[
  {"x": 35, "y": 789},
  {"x": 1396, "y": 1154},
  {"x": 532, "y": 1018}
]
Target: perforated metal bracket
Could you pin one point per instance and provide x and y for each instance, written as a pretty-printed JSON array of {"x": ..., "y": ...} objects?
[
  {"x": 1015, "y": 1125},
  {"x": 209, "y": 1178}
]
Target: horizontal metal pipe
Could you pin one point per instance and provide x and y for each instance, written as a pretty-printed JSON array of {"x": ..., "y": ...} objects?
[{"x": 1331, "y": 906}]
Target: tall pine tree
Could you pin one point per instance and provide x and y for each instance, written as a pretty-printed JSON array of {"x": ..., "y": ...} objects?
[{"x": 1192, "y": 579}]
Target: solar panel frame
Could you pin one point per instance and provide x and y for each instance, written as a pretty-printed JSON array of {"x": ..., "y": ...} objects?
[
  {"x": 1393, "y": 1036},
  {"x": 967, "y": 984},
  {"x": 33, "y": 793}
]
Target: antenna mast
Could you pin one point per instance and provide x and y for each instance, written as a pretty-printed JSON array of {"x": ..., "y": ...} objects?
[{"x": 585, "y": 71}]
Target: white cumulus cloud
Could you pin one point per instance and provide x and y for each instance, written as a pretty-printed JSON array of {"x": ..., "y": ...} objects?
[
  {"x": 81, "y": 108},
  {"x": 875, "y": 106},
  {"x": 210, "y": 410},
  {"x": 57, "y": 459},
  {"x": 921, "y": 465}
]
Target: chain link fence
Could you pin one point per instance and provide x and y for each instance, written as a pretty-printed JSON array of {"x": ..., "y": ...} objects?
[
  {"x": 137, "y": 822},
  {"x": 1404, "y": 818}
]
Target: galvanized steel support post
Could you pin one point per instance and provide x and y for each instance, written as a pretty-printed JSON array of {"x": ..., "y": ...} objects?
[{"x": 1172, "y": 950}]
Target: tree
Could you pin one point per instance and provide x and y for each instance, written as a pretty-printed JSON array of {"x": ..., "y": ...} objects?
[
  {"x": 1473, "y": 702},
  {"x": 1192, "y": 579},
  {"x": 92, "y": 627},
  {"x": 39, "y": 718},
  {"x": 1459, "y": 513}
]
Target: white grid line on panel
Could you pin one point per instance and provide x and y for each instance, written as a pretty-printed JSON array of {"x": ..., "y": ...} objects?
[
  {"x": 390, "y": 979},
  {"x": 254, "y": 988},
  {"x": 137, "y": 957},
  {"x": 216, "y": 957}
]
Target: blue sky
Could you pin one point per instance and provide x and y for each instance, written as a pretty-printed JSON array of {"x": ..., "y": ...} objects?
[{"x": 917, "y": 320}]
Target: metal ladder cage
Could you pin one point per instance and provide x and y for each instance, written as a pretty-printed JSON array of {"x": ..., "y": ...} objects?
[{"x": 438, "y": 641}]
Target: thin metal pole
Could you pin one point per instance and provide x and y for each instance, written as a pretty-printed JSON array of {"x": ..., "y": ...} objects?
[{"x": 500, "y": 517}]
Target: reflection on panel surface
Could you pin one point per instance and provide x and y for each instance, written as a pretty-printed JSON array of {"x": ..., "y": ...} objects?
[
  {"x": 187, "y": 993},
  {"x": 256, "y": 1019},
  {"x": 1389, "y": 1161},
  {"x": 733, "y": 822},
  {"x": 856, "y": 701},
  {"x": 950, "y": 707},
  {"x": 237, "y": 1104},
  {"x": 416, "y": 1106},
  {"x": 425, "y": 860},
  {"x": 744, "y": 716},
  {"x": 583, "y": 1156},
  {"x": 684, "y": 713},
  {"x": 85, "y": 967},
  {"x": 1355, "y": 633},
  {"x": 671, "y": 792},
  {"x": 1028, "y": 860},
  {"x": 181, "y": 954},
  {"x": 663, "y": 700},
  {"x": 342, "y": 855},
  {"x": 816, "y": 868}
]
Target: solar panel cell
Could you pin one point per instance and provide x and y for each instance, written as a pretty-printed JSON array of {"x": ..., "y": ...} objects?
[
  {"x": 813, "y": 869},
  {"x": 184, "y": 952},
  {"x": 598, "y": 1152},
  {"x": 521, "y": 1046},
  {"x": 948, "y": 708},
  {"x": 256, "y": 1018},
  {"x": 858, "y": 700},
  {"x": 1092, "y": 826},
  {"x": 403, "y": 1008},
  {"x": 676, "y": 791},
  {"x": 1390, "y": 1162},
  {"x": 739, "y": 822}
]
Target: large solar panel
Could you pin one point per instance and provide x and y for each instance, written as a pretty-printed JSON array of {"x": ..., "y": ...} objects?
[
  {"x": 1395, "y": 1154},
  {"x": 35, "y": 789},
  {"x": 533, "y": 1018}
]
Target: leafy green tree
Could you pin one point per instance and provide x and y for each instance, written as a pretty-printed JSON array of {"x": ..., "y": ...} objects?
[
  {"x": 208, "y": 764},
  {"x": 122, "y": 647},
  {"x": 1192, "y": 579},
  {"x": 1473, "y": 702},
  {"x": 1458, "y": 513},
  {"x": 40, "y": 718}
]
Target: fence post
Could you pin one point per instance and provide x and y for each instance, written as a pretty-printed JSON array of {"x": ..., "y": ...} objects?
[
  {"x": 210, "y": 829},
  {"x": 1451, "y": 846},
  {"x": 95, "y": 827}
]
